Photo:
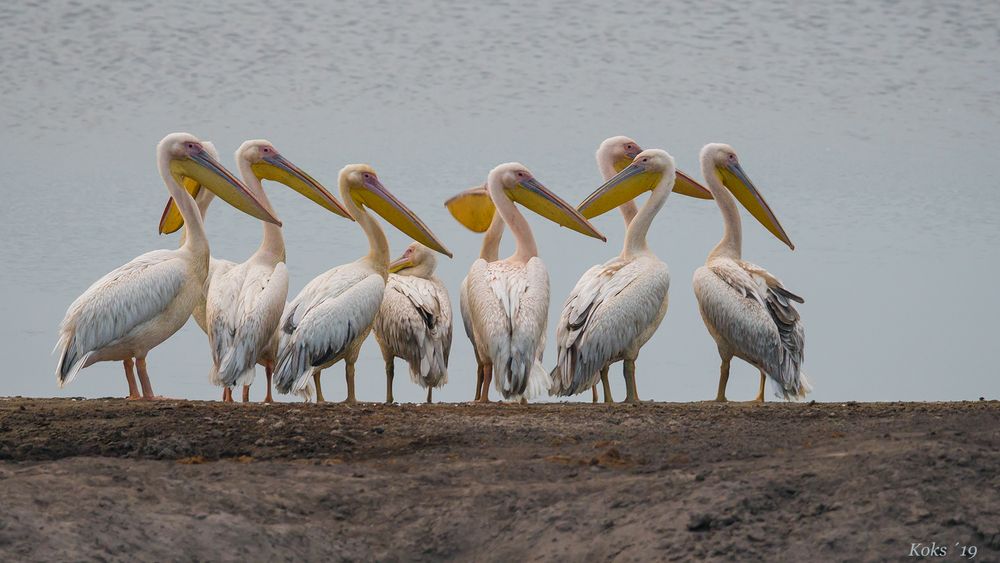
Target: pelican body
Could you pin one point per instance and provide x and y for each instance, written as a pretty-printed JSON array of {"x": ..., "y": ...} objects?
[
  {"x": 617, "y": 306},
  {"x": 136, "y": 307},
  {"x": 333, "y": 314},
  {"x": 244, "y": 301},
  {"x": 508, "y": 299},
  {"x": 747, "y": 310},
  {"x": 414, "y": 321}
]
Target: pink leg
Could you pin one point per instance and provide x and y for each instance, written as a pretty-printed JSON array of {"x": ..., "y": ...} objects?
[
  {"x": 147, "y": 387},
  {"x": 269, "y": 371},
  {"x": 133, "y": 388},
  {"x": 246, "y": 393}
]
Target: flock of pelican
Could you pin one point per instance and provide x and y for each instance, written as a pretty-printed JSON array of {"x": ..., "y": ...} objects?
[{"x": 613, "y": 310}]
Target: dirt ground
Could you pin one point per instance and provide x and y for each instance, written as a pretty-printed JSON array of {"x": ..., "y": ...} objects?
[{"x": 177, "y": 480}]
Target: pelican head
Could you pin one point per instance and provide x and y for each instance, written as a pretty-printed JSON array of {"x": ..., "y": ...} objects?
[
  {"x": 268, "y": 164},
  {"x": 520, "y": 186},
  {"x": 188, "y": 161},
  {"x": 722, "y": 160},
  {"x": 417, "y": 260},
  {"x": 360, "y": 184},
  {"x": 646, "y": 171},
  {"x": 619, "y": 151},
  {"x": 171, "y": 219},
  {"x": 473, "y": 208}
]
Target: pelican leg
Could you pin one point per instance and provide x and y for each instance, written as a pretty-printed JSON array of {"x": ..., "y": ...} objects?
[
  {"x": 390, "y": 372},
  {"x": 269, "y": 372},
  {"x": 484, "y": 392},
  {"x": 147, "y": 387},
  {"x": 349, "y": 375},
  {"x": 606, "y": 385},
  {"x": 429, "y": 391},
  {"x": 760, "y": 394},
  {"x": 479, "y": 380},
  {"x": 133, "y": 387},
  {"x": 246, "y": 393},
  {"x": 631, "y": 394},
  {"x": 227, "y": 395},
  {"x": 723, "y": 380},
  {"x": 319, "y": 390},
  {"x": 593, "y": 391}
]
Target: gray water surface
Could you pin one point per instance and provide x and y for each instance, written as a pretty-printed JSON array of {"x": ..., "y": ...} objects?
[{"x": 871, "y": 128}]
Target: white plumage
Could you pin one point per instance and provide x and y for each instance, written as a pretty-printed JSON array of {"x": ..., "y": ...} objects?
[
  {"x": 508, "y": 299},
  {"x": 136, "y": 307},
  {"x": 747, "y": 310},
  {"x": 509, "y": 305},
  {"x": 415, "y": 321},
  {"x": 331, "y": 317},
  {"x": 612, "y": 312},
  {"x": 129, "y": 311},
  {"x": 327, "y": 322}
]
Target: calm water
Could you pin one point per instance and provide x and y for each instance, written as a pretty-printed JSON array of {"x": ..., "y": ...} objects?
[{"x": 871, "y": 127}]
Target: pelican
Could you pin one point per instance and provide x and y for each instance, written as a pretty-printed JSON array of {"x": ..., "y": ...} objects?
[
  {"x": 617, "y": 306},
  {"x": 477, "y": 200},
  {"x": 508, "y": 299},
  {"x": 244, "y": 302},
  {"x": 331, "y": 317},
  {"x": 134, "y": 308},
  {"x": 414, "y": 320},
  {"x": 746, "y": 309},
  {"x": 605, "y": 295}
]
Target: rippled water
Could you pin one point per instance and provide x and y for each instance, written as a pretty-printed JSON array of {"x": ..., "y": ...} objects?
[{"x": 871, "y": 127}]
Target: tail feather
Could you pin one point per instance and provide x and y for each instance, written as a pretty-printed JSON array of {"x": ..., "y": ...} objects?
[
  {"x": 539, "y": 382},
  {"x": 291, "y": 373},
  {"x": 70, "y": 363}
]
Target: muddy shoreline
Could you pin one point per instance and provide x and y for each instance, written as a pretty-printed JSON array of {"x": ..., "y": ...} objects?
[{"x": 180, "y": 480}]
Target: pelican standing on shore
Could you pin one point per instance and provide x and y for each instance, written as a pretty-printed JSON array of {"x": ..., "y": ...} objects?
[
  {"x": 746, "y": 309},
  {"x": 244, "y": 301},
  {"x": 414, "y": 320},
  {"x": 613, "y": 155},
  {"x": 333, "y": 314},
  {"x": 617, "y": 306},
  {"x": 136, "y": 307},
  {"x": 509, "y": 298},
  {"x": 474, "y": 209}
]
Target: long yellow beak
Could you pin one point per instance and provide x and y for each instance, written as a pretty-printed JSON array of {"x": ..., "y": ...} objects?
[
  {"x": 684, "y": 184},
  {"x": 625, "y": 186},
  {"x": 279, "y": 169},
  {"x": 400, "y": 263},
  {"x": 473, "y": 208},
  {"x": 736, "y": 180},
  {"x": 171, "y": 220},
  {"x": 536, "y": 197},
  {"x": 207, "y": 171},
  {"x": 376, "y": 197}
]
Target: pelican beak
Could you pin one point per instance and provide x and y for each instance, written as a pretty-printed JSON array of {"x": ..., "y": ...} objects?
[
  {"x": 473, "y": 208},
  {"x": 686, "y": 185},
  {"x": 628, "y": 184},
  {"x": 536, "y": 197},
  {"x": 279, "y": 169},
  {"x": 400, "y": 263},
  {"x": 207, "y": 171},
  {"x": 376, "y": 197},
  {"x": 736, "y": 180},
  {"x": 171, "y": 220}
]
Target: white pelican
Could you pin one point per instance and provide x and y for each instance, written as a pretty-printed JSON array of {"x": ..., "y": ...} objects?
[
  {"x": 509, "y": 298},
  {"x": 479, "y": 215},
  {"x": 331, "y": 317},
  {"x": 414, "y": 320},
  {"x": 747, "y": 310},
  {"x": 617, "y": 306},
  {"x": 244, "y": 301},
  {"x": 134, "y": 308}
]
